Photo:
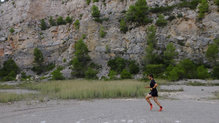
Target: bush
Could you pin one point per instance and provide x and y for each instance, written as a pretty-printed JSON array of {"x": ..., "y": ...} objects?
[
  {"x": 9, "y": 70},
  {"x": 60, "y": 21},
  {"x": 24, "y": 77},
  {"x": 212, "y": 53},
  {"x": 190, "y": 4},
  {"x": 43, "y": 25},
  {"x": 125, "y": 74},
  {"x": 217, "y": 2},
  {"x": 57, "y": 75},
  {"x": 102, "y": 32},
  {"x": 133, "y": 67},
  {"x": 52, "y": 21},
  {"x": 88, "y": 2},
  {"x": 215, "y": 72},
  {"x": 38, "y": 56},
  {"x": 202, "y": 72},
  {"x": 117, "y": 64},
  {"x": 138, "y": 13},
  {"x": 95, "y": 12},
  {"x": 91, "y": 73},
  {"x": 11, "y": 30},
  {"x": 161, "y": 21},
  {"x": 77, "y": 24},
  {"x": 203, "y": 8},
  {"x": 189, "y": 68},
  {"x": 68, "y": 19},
  {"x": 95, "y": 1},
  {"x": 155, "y": 69},
  {"x": 112, "y": 74},
  {"x": 123, "y": 26},
  {"x": 175, "y": 74}
]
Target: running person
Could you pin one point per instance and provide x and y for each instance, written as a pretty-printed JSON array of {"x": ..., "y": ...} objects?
[{"x": 153, "y": 93}]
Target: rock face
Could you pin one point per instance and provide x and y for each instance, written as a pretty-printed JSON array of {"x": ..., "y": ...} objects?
[{"x": 191, "y": 37}]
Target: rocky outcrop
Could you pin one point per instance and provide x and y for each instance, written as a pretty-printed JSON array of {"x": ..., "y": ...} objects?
[{"x": 191, "y": 37}]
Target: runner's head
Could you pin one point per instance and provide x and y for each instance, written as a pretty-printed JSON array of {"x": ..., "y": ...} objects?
[{"x": 150, "y": 76}]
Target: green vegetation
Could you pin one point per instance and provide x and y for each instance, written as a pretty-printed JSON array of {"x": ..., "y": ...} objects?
[
  {"x": 190, "y": 4},
  {"x": 60, "y": 21},
  {"x": 10, "y": 97},
  {"x": 102, "y": 33},
  {"x": 95, "y": 12},
  {"x": 112, "y": 75},
  {"x": 215, "y": 72},
  {"x": 52, "y": 21},
  {"x": 169, "y": 54},
  {"x": 202, "y": 72},
  {"x": 57, "y": 75},
  {"x": 155, "y": 69},
  {"x": 68, "y": 19},
  {"x": 24, "y": 77},
  {"x": 88, "y": 2},
  {"x": 43, "y": 25},
  {"x": 138, "y": 13},
  {"x": 117, "y": 64},
  {"x": 76, "y": 89},
  {"x": 162, "y": 9},
  {"x": 161, "y": 21},
  {"x": 82, "y": 67},
  {"x": 95, "y": 1},
  {"x": 123, "y": 26},
  {"x": 77, "y": 24},
  {"x": 7, "y": 86},
  {"x": 203, "y": 8},
  {"x": 11, "y": 30},
  {"x": 125, "y": 74},
  {"x": 38, "y": 66},
  {"x": 9, "y": 70},
  {"x": 212, "y": 53}
]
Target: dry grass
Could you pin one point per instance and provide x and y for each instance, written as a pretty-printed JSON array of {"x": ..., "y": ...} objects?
[
  {"x": 11, "y": 97},
  {"x": 85, "y": 89}
]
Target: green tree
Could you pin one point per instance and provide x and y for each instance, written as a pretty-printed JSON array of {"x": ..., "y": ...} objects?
[
  {"x": 102, "y": 33},
  {"x": 117, "y": 64},
  {"x": 133, "y": 67},
  {"x": 161, "y": 21},
  {"x": 77, "y": 24},
  {"x": 151, "y": 57},
  {"x": 88, "y": 2},
  {"x": 212, "y": 53},
  {"x": 9, "y": 70},
  {"x": 202, "y": 72},
  {"x": 60, "y": 21},
  {"x": 169, "y": 54},
  {"x": 138, "y": 12},
  {"x": 68, "y": 19},
  {"x": 81, "y": 60},
  {"x": 38, "y": 56},
  {"x": 188, "y": 67},
  {"x": 95, "y": 12},
  {"x": 43, "y": 25},
  {"x": 11, "y": 30},
  {"x": 203, "y": 8},
  {"x": 52, "y": 21},
  {"x": 57, "y": 75},
  {"x": 125, "y": 74},
  {"x": 123, "y": 26},
  {"x": 215, "y": 72},
  {"x": 91, "y": 73}
]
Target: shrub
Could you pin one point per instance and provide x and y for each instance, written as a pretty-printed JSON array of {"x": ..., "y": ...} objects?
[
  {"x": 215, "y": 72},
  {"x": 175, "y": 74},
  {"x": 38, "y": 56},
  {"x": 125, "y": 74},
  {"x": 9, "y": 70},
  {"x": 138, "y": 13},
  {"x": 60, "y": 21},
  {"x": 52, "y": 21},
  {"x": 190, "y": 4},
  {"x": 217, "y": 2},
  {"x": 102, "y": 32},
  {"x": 24, "y": 77},
  {"x": 43, "y": 25},
  {"x": 189, "y": 68},
  {"x": 117, "y": 64},
  {"x": 203, "y": 8},
  {"x": 11, "y": 30},
  {"x": 57, "y": 75},
  {"x": 77, "y": 24},
  {"x": 95, "y": 1},
  {"x": 212, "y": 53},
  {"x": 123, "y": 26},
  {"x": 68, "y": 19},
  {"x": 202, "y": 72},
  {"x": 161, "y": 21},
  {"x": 95, "y": 12},
  {"x": 91, "y": 73},
  {"x": 112, "y": 74},
  {"x": 88, "y": 2},
  {"x": 216, "y": 41},
  {"x": 169, "y": 54},
  {"x": 133, "y": 67},
  {"x": 156, "y": 69}
]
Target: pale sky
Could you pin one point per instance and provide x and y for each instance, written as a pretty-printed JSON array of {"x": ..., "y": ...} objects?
[{"x": 2, "y": 0}]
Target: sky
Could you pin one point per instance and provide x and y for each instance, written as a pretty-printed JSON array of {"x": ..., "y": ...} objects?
[{"x": 2, "y": 0}]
